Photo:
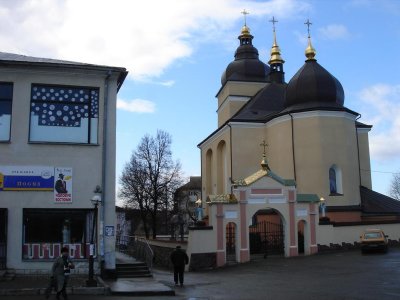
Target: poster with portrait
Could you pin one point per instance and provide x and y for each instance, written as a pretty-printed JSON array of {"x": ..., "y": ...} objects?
[{"x": 62, "y": 185}]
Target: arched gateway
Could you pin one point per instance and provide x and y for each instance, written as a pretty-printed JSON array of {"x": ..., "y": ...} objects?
[{"x": 264, "y": 191}]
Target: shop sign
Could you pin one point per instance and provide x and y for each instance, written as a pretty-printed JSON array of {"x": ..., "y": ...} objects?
[
  {"x": 109, "y": 230},
  {"x": 26, "y": 178},
  {"x": 62, "y": 185}
]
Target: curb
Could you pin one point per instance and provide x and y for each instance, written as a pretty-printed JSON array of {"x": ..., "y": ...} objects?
[
  {"x": 41, "y": 291},
  {"x": 145, "y": 293},
  {"x": 101, "y": 290}
]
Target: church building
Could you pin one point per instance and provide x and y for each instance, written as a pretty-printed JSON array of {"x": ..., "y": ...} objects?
[{"x": 312, "y": 190}]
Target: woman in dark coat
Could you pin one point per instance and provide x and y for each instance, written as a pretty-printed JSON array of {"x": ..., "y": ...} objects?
[{"x": 60, "y": 274}]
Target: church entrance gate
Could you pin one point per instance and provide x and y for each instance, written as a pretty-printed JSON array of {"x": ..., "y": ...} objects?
[
  {"x": 231, "y": 241},
  {"x": 267, "y": 238}
]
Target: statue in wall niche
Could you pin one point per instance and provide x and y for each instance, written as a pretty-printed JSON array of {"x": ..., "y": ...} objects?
[{"x": 66, "y": 232}]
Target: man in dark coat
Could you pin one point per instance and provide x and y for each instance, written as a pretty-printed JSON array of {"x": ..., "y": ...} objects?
[
  {"x": 60, "y": 274},
  {"x": 179, "y": 259}
]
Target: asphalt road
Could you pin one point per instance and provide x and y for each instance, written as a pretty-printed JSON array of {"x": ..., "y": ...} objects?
[{"x": 347, "y": 275}]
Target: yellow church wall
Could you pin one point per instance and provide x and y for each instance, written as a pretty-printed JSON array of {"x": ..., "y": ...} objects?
[
  {"x": 232, "y": 97},
  {"x": 324, "y": 139},
  {"x": 365, "y": 164},
  {"x": 246, "y": 150},
  {"x": 216, "y": 168},
  {"x": 279, "y": 152},
  {"x": 231, "y": 107}
]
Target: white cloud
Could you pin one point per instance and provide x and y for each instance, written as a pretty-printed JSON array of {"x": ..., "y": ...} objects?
[
  {"x": 334, "y": 32},
  {"x": 136, "y": 105},
  {"x": 168, "y": 83},
  {"x": 382, "y": 110},
  {"x": 146, "y": 37}
]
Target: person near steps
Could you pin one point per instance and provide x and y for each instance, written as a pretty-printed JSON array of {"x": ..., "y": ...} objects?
[{"x": 179, "y": 259}]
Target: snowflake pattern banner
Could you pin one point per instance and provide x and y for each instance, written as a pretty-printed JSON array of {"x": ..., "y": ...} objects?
[{"x": 63, "y": 106}]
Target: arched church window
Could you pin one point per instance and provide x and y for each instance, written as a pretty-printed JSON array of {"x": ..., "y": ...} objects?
[
  {"x": 332, "y": 181},
  {"x": 335, "y": 181}
]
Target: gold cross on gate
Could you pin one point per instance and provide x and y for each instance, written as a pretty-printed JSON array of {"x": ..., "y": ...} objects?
[
  {"x": 308, "y": 23},
  {"x": 244, "y": 13},
  {"x": 273, "y": 21},
  {"x": 265, "y": 145}
]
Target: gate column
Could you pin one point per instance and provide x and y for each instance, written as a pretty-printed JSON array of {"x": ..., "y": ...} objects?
[
  {"x": 313, "y": 239},
  {"x": 244, "y": 248},
  {"x": 220, "y": 236},
  {"x": 292, "y": 225}
]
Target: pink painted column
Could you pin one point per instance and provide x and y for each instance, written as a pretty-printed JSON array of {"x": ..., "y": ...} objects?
[
  {"x": 244, "y": 250},
  {"x": 292, "y": 225},
  {"x": 220, "y": 236},
  {"x": 313, "y": 235}
]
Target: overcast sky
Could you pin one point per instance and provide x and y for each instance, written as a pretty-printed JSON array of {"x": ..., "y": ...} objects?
[{"x": 176, "y": 51}]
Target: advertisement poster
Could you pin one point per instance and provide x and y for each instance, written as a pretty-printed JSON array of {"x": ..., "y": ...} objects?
[
  {"x": 26, "y": 178},
  {"x": 62, "y": 185}
]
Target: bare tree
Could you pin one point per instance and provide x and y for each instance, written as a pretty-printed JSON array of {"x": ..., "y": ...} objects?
[
  {"x": 149, "y": 178},
  {"x": 395, "y": 186}
]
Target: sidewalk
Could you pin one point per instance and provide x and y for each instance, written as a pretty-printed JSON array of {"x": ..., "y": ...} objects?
[
  {"x": 136, "y": 286},
  {"x": 27, "y": 285},
  {"x": 36, "y": 285}
]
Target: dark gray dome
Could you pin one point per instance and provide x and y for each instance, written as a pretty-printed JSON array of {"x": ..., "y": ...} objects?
[
  {"x": 313, "y": 84},
  {"x": 246, "y": 66}
]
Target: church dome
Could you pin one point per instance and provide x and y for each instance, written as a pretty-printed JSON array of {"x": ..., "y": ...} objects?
[
  {"x": 246, "y": 66},
  {"x": 313, "y": 86}
]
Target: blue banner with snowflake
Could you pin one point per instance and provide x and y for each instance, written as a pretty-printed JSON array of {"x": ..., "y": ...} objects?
[{"x": 64, "y": 114}]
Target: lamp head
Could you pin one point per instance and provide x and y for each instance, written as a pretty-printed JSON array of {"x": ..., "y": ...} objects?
[
  {"x": 322, "y": 199},
  {"x": 96, "y": 200}
]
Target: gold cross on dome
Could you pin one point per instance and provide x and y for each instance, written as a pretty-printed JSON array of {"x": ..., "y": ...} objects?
[
  {"x": 265, "y": 145},
  {"x": 308, "y": 23},
  {"x": 244, "y": 13},
  {"x": 273, "y": 21}
]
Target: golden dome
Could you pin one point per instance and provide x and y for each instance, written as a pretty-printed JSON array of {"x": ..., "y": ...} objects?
[
  {"x": 310, "y": 51},
  {"x": 275, "y": 53},
  {"x": 245, "y": 30}
]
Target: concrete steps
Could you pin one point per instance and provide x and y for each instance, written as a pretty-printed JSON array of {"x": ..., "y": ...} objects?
[
  {"x": 7, "y": 275},
  {"x": 133, "y": 270}
]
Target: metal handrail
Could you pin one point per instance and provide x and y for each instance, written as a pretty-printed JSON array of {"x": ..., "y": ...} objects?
[
  {"x": 137, "y": 247},
  {"x": 148, "y": 251}
]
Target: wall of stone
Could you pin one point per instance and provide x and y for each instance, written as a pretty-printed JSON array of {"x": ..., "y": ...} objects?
[{"x": 202, "y": 261}]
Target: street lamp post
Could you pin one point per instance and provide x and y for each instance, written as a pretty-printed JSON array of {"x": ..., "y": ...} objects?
[
  {"x": 91, "y": 282},
  {"x": 323, "y": 207}
]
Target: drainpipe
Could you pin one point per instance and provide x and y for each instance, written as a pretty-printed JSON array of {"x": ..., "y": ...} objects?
[
  {"x": 103, "y": 163},
  {"x": 358, "y": 150},
  {"x": 293, "y": 155},
  {"x": 231, "y": 155}
]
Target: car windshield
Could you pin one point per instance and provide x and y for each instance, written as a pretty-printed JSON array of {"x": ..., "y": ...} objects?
[{"x": 372, "y": 235}]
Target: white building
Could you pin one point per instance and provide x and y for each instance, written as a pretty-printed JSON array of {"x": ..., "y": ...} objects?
[{"x": 57, "y": 144}]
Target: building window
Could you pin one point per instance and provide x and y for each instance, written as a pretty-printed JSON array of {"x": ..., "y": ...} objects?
[
  {"x": 64, "y": 114},
  {"x": 6, "y": 93},
  {"x": 335, "y": 181},
  {"x": 46, "y": 231}
]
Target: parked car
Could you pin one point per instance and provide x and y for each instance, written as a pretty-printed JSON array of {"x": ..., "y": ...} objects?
[{"x": 374, "y": 239}]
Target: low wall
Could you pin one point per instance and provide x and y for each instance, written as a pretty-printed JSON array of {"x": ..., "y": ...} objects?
[
  {"x": 162, "y": 251},
  {"x": 202, "y": 246},
  {"x": 337, "y": 237}
]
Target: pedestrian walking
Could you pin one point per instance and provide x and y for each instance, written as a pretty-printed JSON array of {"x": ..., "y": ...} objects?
[
  {"x": 60, "y": 273},
  {"x": 179, "y": 259}
]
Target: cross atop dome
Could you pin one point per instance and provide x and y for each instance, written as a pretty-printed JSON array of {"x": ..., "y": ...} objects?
[
  {"x": 245, "y": 13},
  {"x": 310, "y": 51},
  {"x": 308, "y": 23},
  {"x": 276, "y": 62},
  {"x": 273, "y": 21}
]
